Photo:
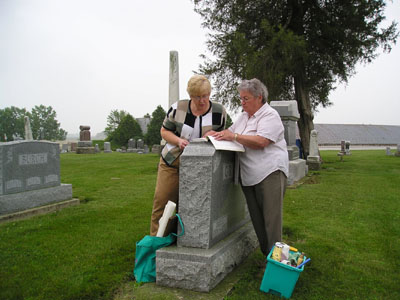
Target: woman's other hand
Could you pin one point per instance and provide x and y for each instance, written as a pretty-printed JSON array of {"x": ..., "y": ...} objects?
[{"x": 225, "y": 135}]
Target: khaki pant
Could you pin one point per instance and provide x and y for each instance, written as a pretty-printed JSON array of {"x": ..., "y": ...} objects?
[
  {"x": 167, "y": 188},
  {"x": 265, "y": 203}
]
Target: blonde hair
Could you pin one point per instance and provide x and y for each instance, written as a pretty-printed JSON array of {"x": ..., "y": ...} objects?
[{"x": 198, "y": 85}]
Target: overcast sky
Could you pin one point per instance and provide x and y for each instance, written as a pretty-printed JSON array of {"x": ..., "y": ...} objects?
[{"x": 87, "y": 57}]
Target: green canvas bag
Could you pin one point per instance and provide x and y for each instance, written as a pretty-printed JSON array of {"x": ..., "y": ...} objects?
[{"x": 145, "y": 256}]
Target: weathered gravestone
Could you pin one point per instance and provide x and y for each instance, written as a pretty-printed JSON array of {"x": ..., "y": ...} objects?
[
  {"x": 388, "y": 151},
  {"x": 156, "y": 149},
  {"x": 85, "y": 144},
  {"x": 107, "y": 147},
  {"x": 74, "y": 146},
  {"x": 30, "y": 176},
  {"x": 131, "y": 146},
  {"x": 398, "y": 150},
  {"x": 64, "y": 148},
  {"x": 218, "y": 234},
  {"x": 290, "y": 115},
  {"x": 313, "y": 159},
  {"x": 347, "y": 148},
  {"x": 96, "y": 148}
]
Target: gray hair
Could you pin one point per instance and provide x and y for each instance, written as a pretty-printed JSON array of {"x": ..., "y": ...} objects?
[{"x": 254, "y": 87}]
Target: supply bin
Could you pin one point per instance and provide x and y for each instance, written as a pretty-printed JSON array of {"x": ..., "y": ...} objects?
[{"x": 279, "y": 279}]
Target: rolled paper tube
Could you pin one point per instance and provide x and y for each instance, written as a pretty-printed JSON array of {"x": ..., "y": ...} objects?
[
  {"x": 303, "y": 263},
  {"x": 168, "y": 212}
]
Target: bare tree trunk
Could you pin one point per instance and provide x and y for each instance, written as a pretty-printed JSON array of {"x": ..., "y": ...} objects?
[{"x": 305, "y": 122}]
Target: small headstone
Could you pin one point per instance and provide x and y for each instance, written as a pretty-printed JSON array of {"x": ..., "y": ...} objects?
[
  {"x": 74, "y": 146},
  {"x": 347, "y": 148},
  {"x": 388, "y": 151},
  {"x": 97, "y": 148},
  {"x": 146, "y": 149},
  {"x": 398, "y": 150},
  {"x": 131, "y": 146},
  {"x": 64, "y": 148},
  {"x": 313, "y": 159},
  {"x": 156, "y": 149},
  {"x": 107, "y": 147},
  {"x": 140, "y": 144},
  {"x": 343, "y": 147}
]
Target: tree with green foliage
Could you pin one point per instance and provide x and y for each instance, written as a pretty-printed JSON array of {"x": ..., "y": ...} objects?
[
  {"x": 44, "y": 124},
  {"x": 113, "y": 120},
  {"x": 153, "y": 135},
  {"x": 127, "y": 129},
  {"x": 12, "y": 123},
  {"x": 43, "y": 121},
  {"x": 299, "y": 48}
]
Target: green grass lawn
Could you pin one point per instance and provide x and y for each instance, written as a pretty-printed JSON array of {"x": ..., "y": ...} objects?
[{"x": 346, "y": 218}]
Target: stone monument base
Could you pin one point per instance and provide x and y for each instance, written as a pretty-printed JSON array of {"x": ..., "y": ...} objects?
[
  {"x": 85, "y": 150},
  {"x": 41, "y": 210},
  {"x": 297, "y": 170},
  {"x": 202, "y": 269},
  {"x": 313, "y": 163},
  {"x": 25, "y": 200}
]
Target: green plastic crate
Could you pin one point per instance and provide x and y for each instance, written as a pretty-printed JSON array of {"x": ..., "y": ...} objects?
[{"x": 279, "y": 279}]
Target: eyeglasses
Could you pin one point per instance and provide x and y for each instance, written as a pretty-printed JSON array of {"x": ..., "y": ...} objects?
[
  {"x": 202, "y": 97},
  {"x": 246, "y": 99}
]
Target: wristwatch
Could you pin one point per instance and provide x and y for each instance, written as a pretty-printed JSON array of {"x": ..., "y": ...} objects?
[{"x": 236, "y": 135}]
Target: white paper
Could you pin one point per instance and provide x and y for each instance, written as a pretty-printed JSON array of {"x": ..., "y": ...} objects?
[
  {"x": 226, "y": 145},
  {"x": 168, "y": 212}
]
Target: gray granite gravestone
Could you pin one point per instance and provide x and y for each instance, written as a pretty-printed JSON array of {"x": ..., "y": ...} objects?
[
  {"x": 30, "y": 176},
  {"x": 218, "y": 234},
  {"x": 313, "y": 159},
  {"x": 107, "y": 147},
  {"x": 289, "y": 114}
]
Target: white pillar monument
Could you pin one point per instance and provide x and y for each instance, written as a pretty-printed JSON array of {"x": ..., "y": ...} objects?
[{"x": 173, "y": 78}]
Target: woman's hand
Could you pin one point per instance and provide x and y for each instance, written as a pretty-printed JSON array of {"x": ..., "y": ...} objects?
[
  {"x": 211, "y": 132},
  {"x": 225, "y": 135},
  {"x": 182, "y": 143}
]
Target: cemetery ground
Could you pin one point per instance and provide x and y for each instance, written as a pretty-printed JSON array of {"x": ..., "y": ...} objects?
[{"x": 345, "y": 217}]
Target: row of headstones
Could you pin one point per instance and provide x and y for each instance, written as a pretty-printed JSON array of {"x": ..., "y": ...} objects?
[
  {"x": 71, "y": 147},
  {"x": 389, "y": 152}
]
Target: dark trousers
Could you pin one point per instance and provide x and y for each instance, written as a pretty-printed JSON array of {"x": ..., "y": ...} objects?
[{"x": 265, "y": 204}]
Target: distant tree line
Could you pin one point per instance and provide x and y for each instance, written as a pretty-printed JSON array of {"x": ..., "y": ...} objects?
[
  {"x": 121, "y": 127},
  {"x": 43, "y": 122}
]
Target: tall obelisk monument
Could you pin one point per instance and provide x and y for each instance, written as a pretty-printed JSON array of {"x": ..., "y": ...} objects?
[{"x": 173, "y": 78}]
